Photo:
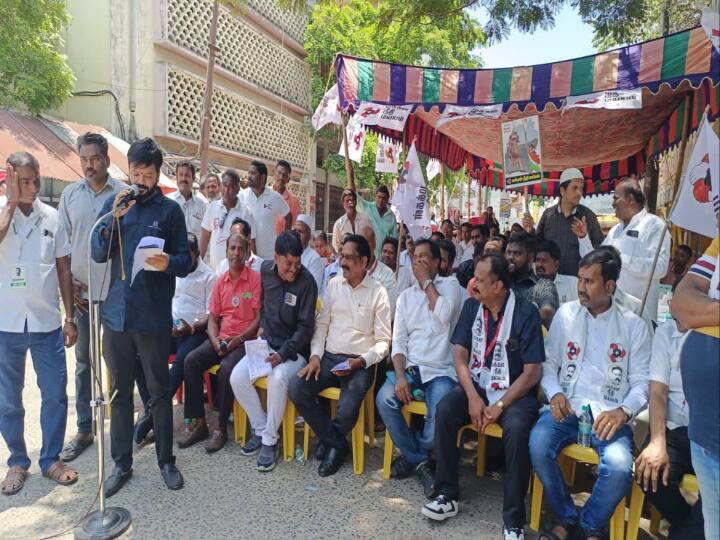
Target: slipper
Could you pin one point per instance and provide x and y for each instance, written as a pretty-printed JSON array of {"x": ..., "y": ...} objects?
[
  {"x": 570, "y": 528},
  {"x": 61, "y": 473},
  {"x": 74, "y": 448},
  {"x": 14, "y": 480}
]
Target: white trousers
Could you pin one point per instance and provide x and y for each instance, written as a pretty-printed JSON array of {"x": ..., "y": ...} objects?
[{"x": 266, "y": 425}]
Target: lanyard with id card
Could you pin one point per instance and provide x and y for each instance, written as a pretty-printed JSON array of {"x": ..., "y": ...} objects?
[{"x": 18, "y": 277}]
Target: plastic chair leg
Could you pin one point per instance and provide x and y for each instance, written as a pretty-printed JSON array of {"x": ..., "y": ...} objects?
[
  {"x": 387, "y": 455},
  {"x": 306, "y": 440},
  {"x": 240, "y": 423},
  {"x": 536, "y": 505},
  {"x": 637, "y": 498},
  {"x": 655, "y": 518},
  {"x": 481, "y": 453},
  {"x": 617, "y": 522},
  {"x": 179, "y": 393},
  {"x": 358, "y": 443},
  {"x": 288, "y": 431},
  {"x": 370, "y": 413}
]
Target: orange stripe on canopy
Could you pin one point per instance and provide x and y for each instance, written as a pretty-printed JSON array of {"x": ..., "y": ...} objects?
[
  {"x": 560, "y": 79},
  {"x": 651, "y": 60},
  {"x": 699, "y": 52},
  {"x": 449, "y": 85},
  {"x": 606, "y": 70},
  {"x": 483, "y": 86},
  {"x": 381, "y": 82},
  {"x": 413, "y": 84}
]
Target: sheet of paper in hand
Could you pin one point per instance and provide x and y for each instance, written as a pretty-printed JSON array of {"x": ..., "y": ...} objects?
[
  {"x": 147, "y": 247},
  {"x": 257, "y": 352},
  {"x": 342, "y": 366}
]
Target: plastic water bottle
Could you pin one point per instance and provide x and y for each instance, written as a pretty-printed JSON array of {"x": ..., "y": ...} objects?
[
  {"x": 418, "y": 394},
  {"x": 299, "y": 455},
  {"x": 188, "y": 426},
  {"x": 585, "y": 427}
]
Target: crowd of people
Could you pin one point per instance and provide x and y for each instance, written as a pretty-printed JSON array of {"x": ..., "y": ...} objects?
[{"x": 523, "y": 330}]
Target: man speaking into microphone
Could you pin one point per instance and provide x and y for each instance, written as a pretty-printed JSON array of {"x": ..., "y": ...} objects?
[{"x": 137, "y": 315}]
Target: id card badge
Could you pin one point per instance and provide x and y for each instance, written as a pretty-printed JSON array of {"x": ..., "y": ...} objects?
[
  {"x": 484, "y": 377},
  {"x": 290, "y": 299},
  {"x": 18, "y": 279}
]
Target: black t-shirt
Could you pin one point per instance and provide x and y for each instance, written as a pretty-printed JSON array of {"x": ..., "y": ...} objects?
[{"x": 525, "y": 345}]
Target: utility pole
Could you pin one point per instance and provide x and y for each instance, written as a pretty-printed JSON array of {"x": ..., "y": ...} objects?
[{"x": 207, "y": 105}]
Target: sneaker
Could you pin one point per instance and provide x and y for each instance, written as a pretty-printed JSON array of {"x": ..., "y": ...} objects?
[
  {"x": 268, "y": 457},
  {"x": 441, "y": 508},
  {"x": 252, "y": 446},
  {"x": 513, "y": 533},
  {"x": 427, "y": 479}
]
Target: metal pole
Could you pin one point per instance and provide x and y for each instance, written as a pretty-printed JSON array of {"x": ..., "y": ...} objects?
[
  {"x": 207, "y": 105},
  {"x": 442, "y": 191},
  {"x": 348, "y": 164}
]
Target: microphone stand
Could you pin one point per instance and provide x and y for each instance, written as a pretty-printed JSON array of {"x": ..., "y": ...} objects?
[{"x": 105, "y": 523}]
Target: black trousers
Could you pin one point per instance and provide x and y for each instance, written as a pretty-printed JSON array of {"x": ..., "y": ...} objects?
[
  {"x": 352, "y": 393},
  {"x": 668, "y": 499},
  {"x": 197, "y": 362},
  {"x": 516, "y": 421},
  {"x": 123, "y": 351}
]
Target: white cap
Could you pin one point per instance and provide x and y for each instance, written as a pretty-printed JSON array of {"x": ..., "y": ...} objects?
[
  {"x": 571, "y": 174},
  {"x": 307, "y": 220}
]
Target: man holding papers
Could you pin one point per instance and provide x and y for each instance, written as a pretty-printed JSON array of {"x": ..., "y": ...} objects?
[
  {"x": 288, "y": 320},
  {"x": 234, "y": 318}
]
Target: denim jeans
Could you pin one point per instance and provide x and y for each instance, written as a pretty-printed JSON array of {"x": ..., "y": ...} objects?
[
  {"x": 415, "y": 446},
  {"x": 547, "y": 440},
  {"x": 48, "y": 356},
  {"x": 707, "y": 469},
  {"x": 83, "y": 382}
]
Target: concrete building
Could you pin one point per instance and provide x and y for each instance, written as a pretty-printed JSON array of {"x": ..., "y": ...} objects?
[{"x": 140, "y": 67}]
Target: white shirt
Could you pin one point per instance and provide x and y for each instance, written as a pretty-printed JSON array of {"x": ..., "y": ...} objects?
[
  {"x": 665, "y": 369},
  {"x": 253, "y": 263},
  {"x": 192, "y": 294},
  {"x": 638, "y": 243},
  {"x": 193, "y": 209},
  {"x": 3, "y": 200},
  {"x": 405, "y": 258},
  {"x": 343, "y": 226},
  {"x": 217, "y": 221},
  {"x": 566, "y": 288},
  {"x": 589, "y": 387},
  {"x": 312, "y": 261},
  {"x": 463, "y": 252},
  {"x": 381, "y": 273},
  {"x": 265, "y": 210},
  {"x": 29, "y": 249},
  {"x": 423, "y": 336}
]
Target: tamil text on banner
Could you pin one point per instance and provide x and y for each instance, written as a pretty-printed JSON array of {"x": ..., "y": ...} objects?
[
  {"x": 356, "y": 140},
  {"x": 414, "y": 209},
  {"x": 328, "y": 110},
  {"x": 387, "y": 116},
  {"x": 522, "y": 160},
  {"x": 387, "y": 155},
  {"x": 433, "y": 168},
  {"x": 455, "y": 112},
  {"x": 699, "y": 197},
  {"x": 609, "y": 99}
]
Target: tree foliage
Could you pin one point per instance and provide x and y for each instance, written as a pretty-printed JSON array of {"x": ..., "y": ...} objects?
[{"x": 33, "y": 72}]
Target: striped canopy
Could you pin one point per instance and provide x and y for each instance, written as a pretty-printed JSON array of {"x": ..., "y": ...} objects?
[{"x": 666, "y": 69}]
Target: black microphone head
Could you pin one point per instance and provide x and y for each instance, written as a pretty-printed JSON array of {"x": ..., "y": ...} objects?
[{"x": 134, "y": 190}]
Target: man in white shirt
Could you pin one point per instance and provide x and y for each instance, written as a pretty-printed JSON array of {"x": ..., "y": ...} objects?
[
  {"x": 252, "y": 261},
  {"x": 210, "y": 188},
  {"x": 380, "y": 271},
  {"x": 637, "y": 237},
  {"x": 425, "y": 316},
  {"x": 464, "y": 246},
  {"x": 351, "y": 222},
  {"x": 218, "y": 218},
  {"x": 547, "y": 265},
  {"x": 34, "y": 264},
  {"x": 80, "y": 204},
  {"x": 665, "y": 457},
  {"x": 192, "y": 206},
  {"x": 304, "y": 226},
  {"x": 352, "y": 334},
  {"x": 266, "y": 205},
  {"x": 589, "y": 341}
]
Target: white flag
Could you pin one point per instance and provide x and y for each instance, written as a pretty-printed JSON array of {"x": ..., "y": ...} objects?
[
  {"x": 455, "y": 112},
  {"x": 395, "y": 116},
  {"x": 699, "y": 196},
  {"x": 387, "y": 156},
  {"x": 433, "y": 168},
  {"x": 412, "y": 171},
  {"x": 413, "y": 207},
  {"x": 355, "y": 140},
  {"x": 710, "y": 21},
  {"x": 368, "y": 113},
  {"x": 328, "y": 110},
  {"x": 608, "y": 99}
]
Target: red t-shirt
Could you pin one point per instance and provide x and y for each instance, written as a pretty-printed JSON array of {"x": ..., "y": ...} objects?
[{"x": 235, "y": 301}]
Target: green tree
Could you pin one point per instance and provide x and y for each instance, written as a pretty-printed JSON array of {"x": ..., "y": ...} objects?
[{"x": 33, "y": 72}]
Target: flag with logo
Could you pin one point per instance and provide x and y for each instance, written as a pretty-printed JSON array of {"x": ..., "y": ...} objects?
[
  {"x": 456, "y": 112},
  {"x": 328, "y": 110},
  {"x": 412, "y": 198},
  {"x": 387, "y": 156},
  {"x": 698, "y": 201},
  {"x": 412, "y": 170},
  {"x": 355, "y": 140},
  {"x": 433, "y": 168}
]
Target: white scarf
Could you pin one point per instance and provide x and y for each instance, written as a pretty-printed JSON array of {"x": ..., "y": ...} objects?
[
  {"x": 495, "y": 379},
  {"x": 616, "y": 353}
]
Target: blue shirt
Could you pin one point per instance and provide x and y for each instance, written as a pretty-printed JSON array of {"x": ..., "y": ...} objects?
[{"x": 146, "y": 305}]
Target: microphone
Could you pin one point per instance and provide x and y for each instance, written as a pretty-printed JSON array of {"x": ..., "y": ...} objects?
[{"x": 133, "y": 195}]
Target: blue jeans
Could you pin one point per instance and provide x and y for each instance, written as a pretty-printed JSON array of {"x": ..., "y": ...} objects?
[
  {"x": 707, "y": 469},
  {"x": 83, "y": 382},
  {"x": 48, "y": 356},
  {"x": 549, "y": 437},
  {"x": 415, "y": 447}
]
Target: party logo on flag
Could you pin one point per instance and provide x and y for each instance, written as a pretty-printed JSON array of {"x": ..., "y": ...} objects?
[
  {"x": 386, "y": 157},
  {"x": 412, "y": 171},
  {"x": 433, "y": 168},
  {"x": 355, "y": 139},
  {"x": 609, "y": 99},
  {"x": 454, "y": 112}
]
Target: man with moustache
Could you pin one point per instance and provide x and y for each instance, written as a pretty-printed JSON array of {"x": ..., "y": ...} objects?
[
  {"x": 78, "y": 210},
  {"x": 282, "y": 179},
  {"x": 352, "y": 222},
  {"x": 310, "y": 259},
  {"x": 266, "y": 207},
  {"x": 137, "y": 314},
  {"x": 389, "y": 253},
  {"x": 210, "y": 188},
  {"x": 192, "y": 206}
]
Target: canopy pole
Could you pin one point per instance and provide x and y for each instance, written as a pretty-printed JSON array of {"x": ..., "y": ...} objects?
[
  {"x": 442, "y": 191},
  {"x": 469, "y": 200},
  {"x": 348, "y": 164},
  {"x": 676, "y": 191}
]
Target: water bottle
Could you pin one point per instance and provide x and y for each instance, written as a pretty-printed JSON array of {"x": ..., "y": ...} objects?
[
  {"x": 585, "y": 427},
  {"x": 418, "y": 394},
  {"x": 188, "y": 427},
  {"x": 299, "y": 455}
]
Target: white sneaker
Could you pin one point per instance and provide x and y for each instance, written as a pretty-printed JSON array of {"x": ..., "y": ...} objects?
[
  {"x": 513, "y": 533},
  {"x": 440, "y": 509}
]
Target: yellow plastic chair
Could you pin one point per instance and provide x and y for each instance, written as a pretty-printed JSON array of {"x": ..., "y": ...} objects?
[
  {"x": 414, "y": 407},
  {"x": 571, "y": 454},
  {"x": 493, "y": 430},
  {"x": 637, "y": 498},
  {"x": 288, "y": 423}
]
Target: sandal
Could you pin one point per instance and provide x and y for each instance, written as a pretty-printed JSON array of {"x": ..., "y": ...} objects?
[
  {"x": 61, "y": 473},
  {"x": 74, "y": 448},
  {"x": 14, "y": 480},
  {"x": 548, "y": 534}
]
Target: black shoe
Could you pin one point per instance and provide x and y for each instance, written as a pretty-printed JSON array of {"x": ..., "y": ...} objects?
[
  {"x": 320, "y": 451},
  {"x": 143, "y": 427},
  {"x": 427, "y": 479},
  {"x": 171, "y": 475},
  {"x": 400, "y": 467},
  {"x": 116, "y": 480},
  {"x": 333, "y": 460}
]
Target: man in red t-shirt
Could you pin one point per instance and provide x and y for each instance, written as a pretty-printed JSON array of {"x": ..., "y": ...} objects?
[{"x": 234, "y": 318}]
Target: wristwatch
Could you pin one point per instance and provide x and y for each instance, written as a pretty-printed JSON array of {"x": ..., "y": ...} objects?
[
  {"x": 627, "y": 412},
  {"x": 363, "y": 363},
  {"x": 70, "y": 320},
  {"x": 499, "y": 404},
  {"x": 426, "y": 284}
]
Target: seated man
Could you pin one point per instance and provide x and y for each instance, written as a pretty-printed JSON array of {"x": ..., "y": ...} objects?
[
  {"x": 495, "y": 244},
  {"x": 322, "y": 247},
  {"x": 352, "y": 329},
  {"x": 234, "y": 318},
  {"x": 288, "y": 320},
  {"x": 422, "y": 357},
  {"x": 466, "y": 270},
  {"x": 498, "y": 349},
  {"x": 547, "y": 264},
  {"x": 666, "y": 452},
  {"x": 310, "y": 259},
  {"x": 389, "y": 253},
  {"x": 252, "y": 261},
  {"x": 588, "y": 338}
]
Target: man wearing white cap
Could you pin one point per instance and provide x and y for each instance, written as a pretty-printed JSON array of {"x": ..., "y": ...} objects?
[
  {"x": 569, "y": 224},
  {"x": 304, "y": 226}
]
